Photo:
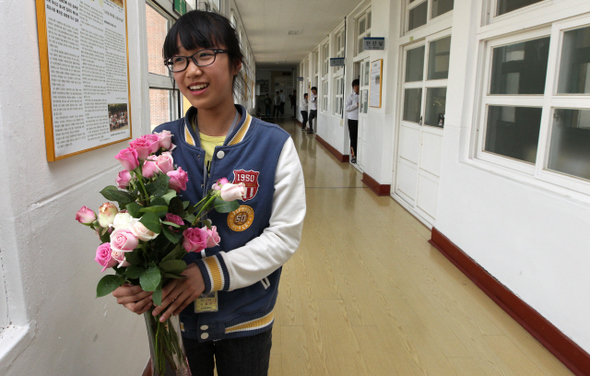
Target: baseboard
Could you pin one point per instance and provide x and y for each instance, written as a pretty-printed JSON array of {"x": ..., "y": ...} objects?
[
  {"x": 331, "y": 149},
  {"x": 379, "y": 189},
  {"x": 561, "y": 346}
]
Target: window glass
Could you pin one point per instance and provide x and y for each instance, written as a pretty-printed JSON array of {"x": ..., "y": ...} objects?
[
  {"x": 438, "y": 59},
  {"x": 441, "y": 7},
  {"x": 161, "y": 108},
  {"x": 412, "y": 105},
  {"x": 513, "y": 132},
  {"x": 574, "y": 72},
  {"x": 569, "y": 151},
  {"x": 520, "y": 68},
  {"x": 157, "y": 28},
  {"x": 418, "y": 16},
  {"x": 436, "y": 99},
  {"x": 415, "y": 64},
  {"x": 505, "y": 6}
]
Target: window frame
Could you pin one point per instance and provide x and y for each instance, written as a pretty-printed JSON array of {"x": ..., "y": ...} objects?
[
  {"x": 409, "y": 5},
  {"x": 366, "y": 15},
  {"x": 550, "y": 101}
]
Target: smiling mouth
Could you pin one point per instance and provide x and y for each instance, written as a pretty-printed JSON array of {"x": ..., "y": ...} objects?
[{"x": 198, "y": 87}]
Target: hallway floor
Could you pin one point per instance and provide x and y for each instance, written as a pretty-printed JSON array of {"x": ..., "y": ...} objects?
[{"x": 366, "y": 294}]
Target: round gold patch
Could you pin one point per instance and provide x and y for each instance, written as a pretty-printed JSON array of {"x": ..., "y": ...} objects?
[{"x": 241, "y": 218}]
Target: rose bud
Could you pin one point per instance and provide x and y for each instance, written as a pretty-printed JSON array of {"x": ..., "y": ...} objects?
[
  {"x": 85, "y": 215},
  {"x": 128, "y": 158},
  {"x": 138, "y": 229},
  {"x": 165, "y": 162},
  {"x": 219, "y": 183},
  {"x": 119, "y": 257},
  {"x": 123, "y": 179},
  {"x": 195, "y": 239},
  {"x": 122, "y": 221},
  {"x": 165, "y": 138},
  {"x": 106, "y": 214},
  {"x": 103, "y": 256},
  {"x": 178, "y": 179},
  {"x": 145, "y": 145},
  {"x": 150, "y": 168},
  {"x": 213, "y": 238},
  {"x": 231, "y": 192},
  {"x": 123, "y": 241}
]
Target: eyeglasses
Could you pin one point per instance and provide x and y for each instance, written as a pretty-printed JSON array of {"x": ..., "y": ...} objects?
[{"x": 202, "y": 58}]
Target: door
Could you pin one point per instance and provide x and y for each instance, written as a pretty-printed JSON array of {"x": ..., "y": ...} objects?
[
  {"x": 421, "y": 121},
  {"x": 365, "y": 67}
]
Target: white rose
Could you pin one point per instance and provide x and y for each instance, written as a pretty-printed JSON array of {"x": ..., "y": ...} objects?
[
  {"x": 138, "y": 229},
  {"x": 121, "y": 221}
]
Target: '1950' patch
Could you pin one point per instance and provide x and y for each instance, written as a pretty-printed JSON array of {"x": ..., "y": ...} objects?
[
  {"x": 241, "y": 218},
  {"x": 250, "y": 180}
]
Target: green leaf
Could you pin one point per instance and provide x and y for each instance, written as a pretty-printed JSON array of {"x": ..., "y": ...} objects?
[
  {"x": 172, "y": 266},
  {"x": 152, "y": 222},
  {"x": 134, "y": 209},
  {"x": 155, "y": 209},
  {"x": 168, "y": 196},
  {"x": 207, "y": 222},
  {"x": 133, "y": 258},
  {"x": 150, "y": 278},
  {"x": 225, "y": 206},
  {"x": 108, "y": 284},
  {"x": 157, "y": 296},
  {"x": 158, "y": 187},
  {"x": 113, "y": 193},
  {"x": 172, "y": 236},
  {"x": 105, "y": 235},
  {"x": 133, "y": 271},
  {"x": 176, "y": 254},
  {"x": 190, "y": 218},
  {"x": 175, "y": 206}
]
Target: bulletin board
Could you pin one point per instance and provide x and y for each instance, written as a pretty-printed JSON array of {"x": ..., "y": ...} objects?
[
  {"x": 375, "y": 83},
  {"x": 84, "y": 58}
]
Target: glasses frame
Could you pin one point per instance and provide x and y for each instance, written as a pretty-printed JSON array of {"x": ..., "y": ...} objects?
[{"x": 168, "y": 62}]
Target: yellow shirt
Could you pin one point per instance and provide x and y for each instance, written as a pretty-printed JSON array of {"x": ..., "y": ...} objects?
[{"x": 208, "y": 143}]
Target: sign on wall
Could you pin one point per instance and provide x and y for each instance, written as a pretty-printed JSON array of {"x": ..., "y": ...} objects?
[
  {"x": 373, "y": 43},
  {"x": 336, "y": 61},
  {"x": 84, "y": 74},
  {"x": 375, "y": 83}
]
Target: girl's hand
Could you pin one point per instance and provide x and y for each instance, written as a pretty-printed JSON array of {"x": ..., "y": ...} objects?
[
  {"x": 179, "y": 293},
  {"x": 133, "y": 298}
]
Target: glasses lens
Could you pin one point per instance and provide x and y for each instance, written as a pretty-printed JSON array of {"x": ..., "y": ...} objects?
[
  {"x": 205, "y": 57},
  {"x": 178, "y": 63}
]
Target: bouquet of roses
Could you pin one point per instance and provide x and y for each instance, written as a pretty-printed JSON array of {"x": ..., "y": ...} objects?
[{"x": 145, "y": 238}]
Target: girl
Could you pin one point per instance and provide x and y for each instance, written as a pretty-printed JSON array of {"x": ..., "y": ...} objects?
[{"x": 218, "y": 139}]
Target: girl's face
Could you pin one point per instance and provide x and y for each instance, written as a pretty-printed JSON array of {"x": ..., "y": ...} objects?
[{"x": 207, "y": 88}]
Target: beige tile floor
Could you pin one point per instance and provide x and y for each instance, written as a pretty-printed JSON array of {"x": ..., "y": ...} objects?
[{"x": 366, "y": 294}]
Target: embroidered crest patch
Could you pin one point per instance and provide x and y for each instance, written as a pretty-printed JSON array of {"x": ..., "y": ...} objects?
[
  {"x": 250, "y": 180},
  {"x": 241, "y": 218}
]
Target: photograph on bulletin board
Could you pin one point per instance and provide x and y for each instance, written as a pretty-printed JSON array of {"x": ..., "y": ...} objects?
[
  {"x": 375, "y": 82},
  {"x": 85, "y": 74}
]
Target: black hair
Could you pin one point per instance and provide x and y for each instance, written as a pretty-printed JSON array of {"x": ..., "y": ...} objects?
[
  {"x": 206, "y": 30},
  {"x": 305, "y": 95},
  {"x": 355, "y": 82},
  {"x": 314, "y": 88}
]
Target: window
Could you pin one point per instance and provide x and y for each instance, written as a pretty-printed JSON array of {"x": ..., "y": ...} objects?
[
  {"x": 425, "y": 82},
  {"x": 363, "y": 29},
  {"x": 325, "y": 91},
  {"x": 506, "y": 6},
  {"x": 164, "y": 99},
  {"x": 535, "y": 113},
  {"x": 338, "y": 95},
  {"x": 326, "y": 58},
  {"x": 420, "y": 12}
]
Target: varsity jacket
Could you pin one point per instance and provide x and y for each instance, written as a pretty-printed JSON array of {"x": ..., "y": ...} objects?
[{"x": 258, "y": 237}]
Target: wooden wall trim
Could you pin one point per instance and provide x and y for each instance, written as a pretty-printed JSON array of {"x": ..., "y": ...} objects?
[
  {"x": 379, "y": 189},
  {"x": 564, "y": 349},
  {"x": 331, "y": 149}
]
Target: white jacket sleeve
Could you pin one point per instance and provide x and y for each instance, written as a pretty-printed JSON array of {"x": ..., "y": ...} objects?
[
  {"x": 351, "y": 104},
  {"x": 263, "y": 255}
]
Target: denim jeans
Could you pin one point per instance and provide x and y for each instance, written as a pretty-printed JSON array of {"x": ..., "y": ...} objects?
[{"x": 247, "y": 356}]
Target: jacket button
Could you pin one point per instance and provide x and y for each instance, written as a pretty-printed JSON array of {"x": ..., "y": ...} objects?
[
  {"x": 220, "y": 154},
  {"x": 204, "y": 335},
  {"x": 204, "y": 327}
]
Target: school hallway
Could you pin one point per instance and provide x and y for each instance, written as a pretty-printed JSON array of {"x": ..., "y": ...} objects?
[{"x": 366, "y": 294}]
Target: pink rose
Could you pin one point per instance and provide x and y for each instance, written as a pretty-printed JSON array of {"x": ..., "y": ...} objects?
[
  {"x": 231, "y": 192},
  {"x": 119, "y": 257},
  {"x": 103, "y": 256},
  {"x": 85, "y": 215},
  {"x": 145, "y": 145},
  {"x": 178, "y": 179},
  {"x": 219, "y": 183},
  {"x": 138, "y": 229},
  {"x": 123, "y": 179},
  {"x": 128, "y": 158},
  {"x": 123, "y": 241},
  {"x": 150, "y": 168},
  {"x": 165, "y": 162},
  {"x": 174, "y": 219},
  {"x": 106, "y": 214},
  {"x": 213, "y": 238},
  {"x": 195, "y": 239},
  {"x": 165, "y": 138}
]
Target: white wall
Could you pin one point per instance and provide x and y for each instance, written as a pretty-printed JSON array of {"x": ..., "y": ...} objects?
[
  {"x": 531, "y": 239},
  {"x": 57, "y": 327}
]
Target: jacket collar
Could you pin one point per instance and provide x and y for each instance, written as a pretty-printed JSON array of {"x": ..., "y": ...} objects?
[{"x": 191, "y": 133}]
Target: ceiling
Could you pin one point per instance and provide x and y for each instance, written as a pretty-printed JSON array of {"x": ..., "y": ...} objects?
[{"x": 283, "y": 32}]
